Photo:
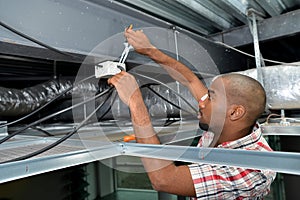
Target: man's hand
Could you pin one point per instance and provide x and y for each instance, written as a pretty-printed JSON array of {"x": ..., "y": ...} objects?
[
  {"x": 139, "y": 41},
  {"x": 126, "y": 86}
]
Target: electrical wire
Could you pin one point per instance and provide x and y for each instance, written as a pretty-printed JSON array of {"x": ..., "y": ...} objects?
[
  {"x": 66, "y": 54},
  {"x": 163, "y": 84},
  {"x": 35, "y": 40},
  {"x": 109, "y": 91},
  {"x": 64, "y": 92},
  {"x": 165, "y": 99},
  {"x": 49, "y": 102},
  {"x": 270, "y": 115},
  {"x": 109, "y": 108},
  {"x": 52, "y": 115},
  {"x": 103, "y": 114},
  {"x": 41, "y": 130},
  {"x": 79, "y": 104},
  {"x": 250, "y": 55}
]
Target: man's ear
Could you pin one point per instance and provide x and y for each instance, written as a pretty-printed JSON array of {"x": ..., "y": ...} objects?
[{"x": 236, "y": 112}]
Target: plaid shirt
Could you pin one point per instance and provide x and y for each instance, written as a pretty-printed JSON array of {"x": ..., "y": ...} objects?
[{"x": 225, "y": 182}]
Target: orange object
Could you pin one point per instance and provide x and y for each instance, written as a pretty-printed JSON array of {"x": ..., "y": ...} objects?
[
  {"x": 129, "y": 138},
  {"x": 130, "y": 26}
]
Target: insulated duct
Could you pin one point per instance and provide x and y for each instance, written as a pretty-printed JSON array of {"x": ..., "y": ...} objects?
[
  {"x": 282, "y": 85},
  {"x": 162, "y": 103},
  {"x": 17, "y": 102}
]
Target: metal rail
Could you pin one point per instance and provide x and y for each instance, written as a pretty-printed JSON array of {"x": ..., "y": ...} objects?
[
  {"x": 284, "y": 162},
  {"x": 78, "y": 151}
]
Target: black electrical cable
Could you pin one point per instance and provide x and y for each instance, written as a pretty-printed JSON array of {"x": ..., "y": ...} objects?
[
  {"x": 69, "y": 108},
  {"x": 109, "y": 108},
  {"x": 69, "y": 134},
  {"x": 50, "y": 116},
  {"x": 170, "y": 122},
  {"x": 41, "y": 130},
  {"x": 163, "y": 84},
  {"x": 81, "y": 124},
  {"x": 109, "y": 91},
  {"x": 49, "y": 102},
  {"x": 35, "y": 40},
  {"x": 165, "y": 99}
]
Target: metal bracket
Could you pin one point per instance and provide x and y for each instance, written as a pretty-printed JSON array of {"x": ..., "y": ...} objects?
[{"x": 253, "y": 14}]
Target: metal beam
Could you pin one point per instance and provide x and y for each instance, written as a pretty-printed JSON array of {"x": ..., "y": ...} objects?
[
  {"x": 271, "y": 28},
  {"x": 273, "y": 8},
  {"x": 72, "y": 152},
  {"x": 235, "y": 10},
  {"x": 167, "y": 13},
  {"x": 219, "y": 21},
  {"x": 284, "y": 162}
]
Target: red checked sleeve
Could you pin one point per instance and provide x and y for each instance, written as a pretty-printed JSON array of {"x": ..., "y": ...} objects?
[{"x": 224, "y": 182}]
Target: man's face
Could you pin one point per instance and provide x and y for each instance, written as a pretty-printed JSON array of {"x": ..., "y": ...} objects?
[{"x": 213, "y": 109}]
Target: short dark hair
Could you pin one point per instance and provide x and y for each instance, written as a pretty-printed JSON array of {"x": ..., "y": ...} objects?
[{"x": 246, "y": 91}]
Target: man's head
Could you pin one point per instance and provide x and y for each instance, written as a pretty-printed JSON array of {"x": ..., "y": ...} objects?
[{"x": 234, "y": 100}]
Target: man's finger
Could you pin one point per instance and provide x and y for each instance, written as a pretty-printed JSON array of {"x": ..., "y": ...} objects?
[{"x": 114, "y": 79}]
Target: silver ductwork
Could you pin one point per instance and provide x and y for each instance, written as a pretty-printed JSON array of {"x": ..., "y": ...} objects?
[
  {"x": 282, "y": 85},
  {"x": 17, "y": 102}
]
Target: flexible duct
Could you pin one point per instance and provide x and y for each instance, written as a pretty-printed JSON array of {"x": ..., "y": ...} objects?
[
  {"x": 16, "y": 102},
  {"x": 159, "y": 106},
  {"x": 282, "y": 85}
]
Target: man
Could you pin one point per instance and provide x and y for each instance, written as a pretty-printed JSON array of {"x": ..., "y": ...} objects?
[{"x": 233, "y": 104}]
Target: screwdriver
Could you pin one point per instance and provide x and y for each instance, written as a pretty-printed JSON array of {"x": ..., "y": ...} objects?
[{"x": 129, "y": 138}]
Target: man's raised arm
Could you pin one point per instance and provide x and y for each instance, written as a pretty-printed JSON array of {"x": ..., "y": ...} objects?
[
  {"x": 176, "y": 69},
  {"x": 163, "y": 174}
]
